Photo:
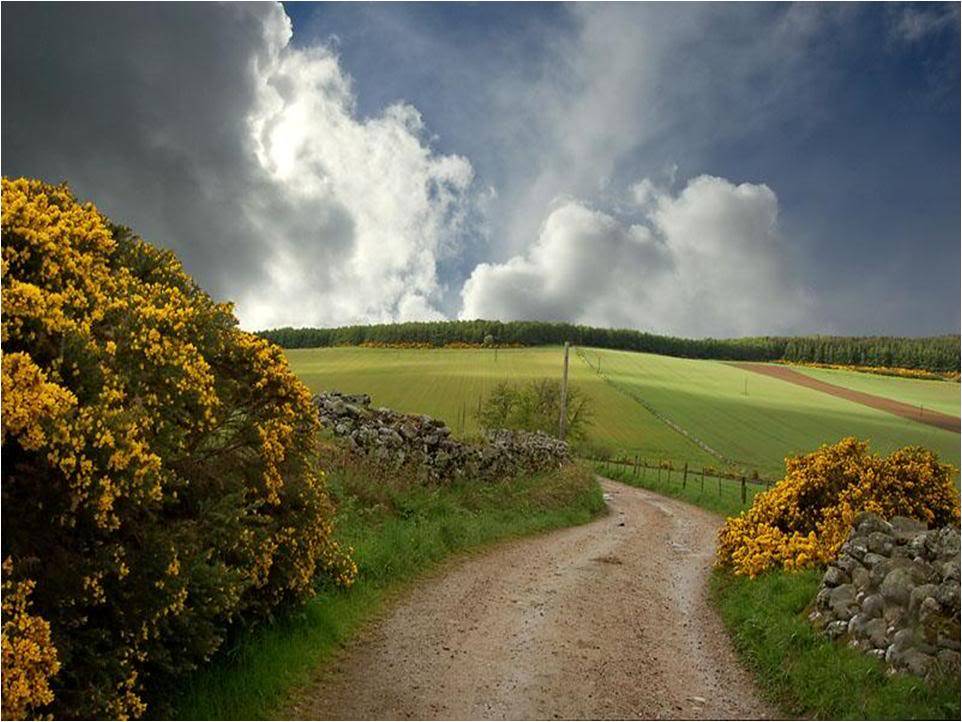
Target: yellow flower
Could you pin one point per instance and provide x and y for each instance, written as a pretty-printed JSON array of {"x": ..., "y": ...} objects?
[
  {"x": 804, "y": 519},
  {"x": 29, "y": 657},
  {"x": 136, "y": 408}
]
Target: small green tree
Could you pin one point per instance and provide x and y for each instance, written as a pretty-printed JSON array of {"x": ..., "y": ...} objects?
[
  {"x": 488, "y": 341},
  {"x": 535, "y": 406}
]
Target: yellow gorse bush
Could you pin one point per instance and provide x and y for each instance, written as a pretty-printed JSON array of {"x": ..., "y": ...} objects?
[
  {"x": 29, "y": 657},
  {"x": 804, "y": 519},
  {"x": 881, "y": 370},
  {"x": 159, "y": 472}
]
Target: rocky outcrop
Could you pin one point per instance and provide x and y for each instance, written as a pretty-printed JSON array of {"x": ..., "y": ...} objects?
[
  {"x": 397, "y": 440},
  {"x": 894, "y": 593}
]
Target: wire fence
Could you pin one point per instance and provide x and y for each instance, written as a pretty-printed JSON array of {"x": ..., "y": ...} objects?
[{"x": 685, "y": 476}]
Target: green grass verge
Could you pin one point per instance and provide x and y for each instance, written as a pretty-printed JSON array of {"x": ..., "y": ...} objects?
[
  {"x": 807, "y": 675},
  {"x": 722, "y": 498},
  {"x": 398, "y": 530}
]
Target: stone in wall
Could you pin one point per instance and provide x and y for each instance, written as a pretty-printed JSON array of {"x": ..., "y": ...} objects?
[
  {"x": 893, "y": 593},
  {"x": 396, "y": 439}
]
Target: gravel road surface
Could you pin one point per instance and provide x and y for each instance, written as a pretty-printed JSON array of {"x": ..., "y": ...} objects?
[{"x": 605, "y": 620}]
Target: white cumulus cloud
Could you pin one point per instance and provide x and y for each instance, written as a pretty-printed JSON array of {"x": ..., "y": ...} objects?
[
  {"x": 705, "y": 261},
  {"x": 375, "y": 181}
]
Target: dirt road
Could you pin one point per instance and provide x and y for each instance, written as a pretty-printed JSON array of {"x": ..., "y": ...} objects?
[
  {"x": 908, "y": 411},
  {"x": 606, "y": 620}
]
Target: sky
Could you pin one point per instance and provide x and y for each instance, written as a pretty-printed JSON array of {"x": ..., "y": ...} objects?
[{"x": 693, "y": 169}]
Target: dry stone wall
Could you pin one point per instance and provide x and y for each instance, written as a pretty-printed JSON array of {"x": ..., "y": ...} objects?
[
  {"x": 397, "y": 439},
  {"x": 893, "y": 593}
]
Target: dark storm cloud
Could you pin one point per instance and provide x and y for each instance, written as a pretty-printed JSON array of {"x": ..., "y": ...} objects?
[
  {"x": 143, "y": 109},
  {"x": 200, "y": 127},
  {"x": 703, "y": 169}
]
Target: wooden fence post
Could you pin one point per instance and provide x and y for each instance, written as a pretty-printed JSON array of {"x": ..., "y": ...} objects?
[
  {"x": 668, "y": 475},
  {"x": 563, "y": 420},
  {"x": 634, "y": 472},
  {"x": 684, "y": 478},
  {"x": 744, "y": 491},
  {"x": 719, "y": 486},
  {"x": 703, "y": 480}
]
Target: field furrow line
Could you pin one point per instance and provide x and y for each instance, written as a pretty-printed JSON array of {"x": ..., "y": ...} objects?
[{"x": 657, "y": 414}]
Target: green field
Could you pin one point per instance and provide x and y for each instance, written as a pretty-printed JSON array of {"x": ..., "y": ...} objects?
[
  {"x": 753, "y": 425},
  {"x": 448, "y": 383},
  {"x": 941, "y": 396},
  {"x": 757, "y": 420}
]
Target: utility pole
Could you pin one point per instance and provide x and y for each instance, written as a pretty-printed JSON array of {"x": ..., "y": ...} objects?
[{"x": 563, "y": 421}]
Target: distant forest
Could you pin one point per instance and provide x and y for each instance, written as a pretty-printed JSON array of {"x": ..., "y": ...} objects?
[{"x": 935, "y": 353}]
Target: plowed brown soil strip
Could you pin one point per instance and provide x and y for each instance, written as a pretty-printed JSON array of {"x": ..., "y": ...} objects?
[{"x": 924, "y": 416}]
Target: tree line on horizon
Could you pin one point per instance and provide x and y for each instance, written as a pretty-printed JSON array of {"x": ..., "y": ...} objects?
[{"x": 933, "y": 353}]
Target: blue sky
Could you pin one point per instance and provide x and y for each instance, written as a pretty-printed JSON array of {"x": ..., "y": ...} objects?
[{"x": 718, "y": 169}]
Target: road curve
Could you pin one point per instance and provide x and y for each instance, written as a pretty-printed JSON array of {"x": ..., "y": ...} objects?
[{"x": 606, "y": 620}]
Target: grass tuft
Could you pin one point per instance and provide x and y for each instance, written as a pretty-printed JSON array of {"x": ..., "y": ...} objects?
[{"x": 806, "y": 674}]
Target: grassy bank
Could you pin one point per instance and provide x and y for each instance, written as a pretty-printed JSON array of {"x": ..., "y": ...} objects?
[
  {"x": 805, "y": 674},
  {"x": 398, "y": 529},
  {"x": 722, "y": 497}
]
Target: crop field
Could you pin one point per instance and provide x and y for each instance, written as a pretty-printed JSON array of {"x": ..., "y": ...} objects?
[
  {"x": 448, "y": 384},
  {"x": 755, "y": 420},
  {"x": 750, "y": 420},
  {"x": 942, "y": 396}
]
